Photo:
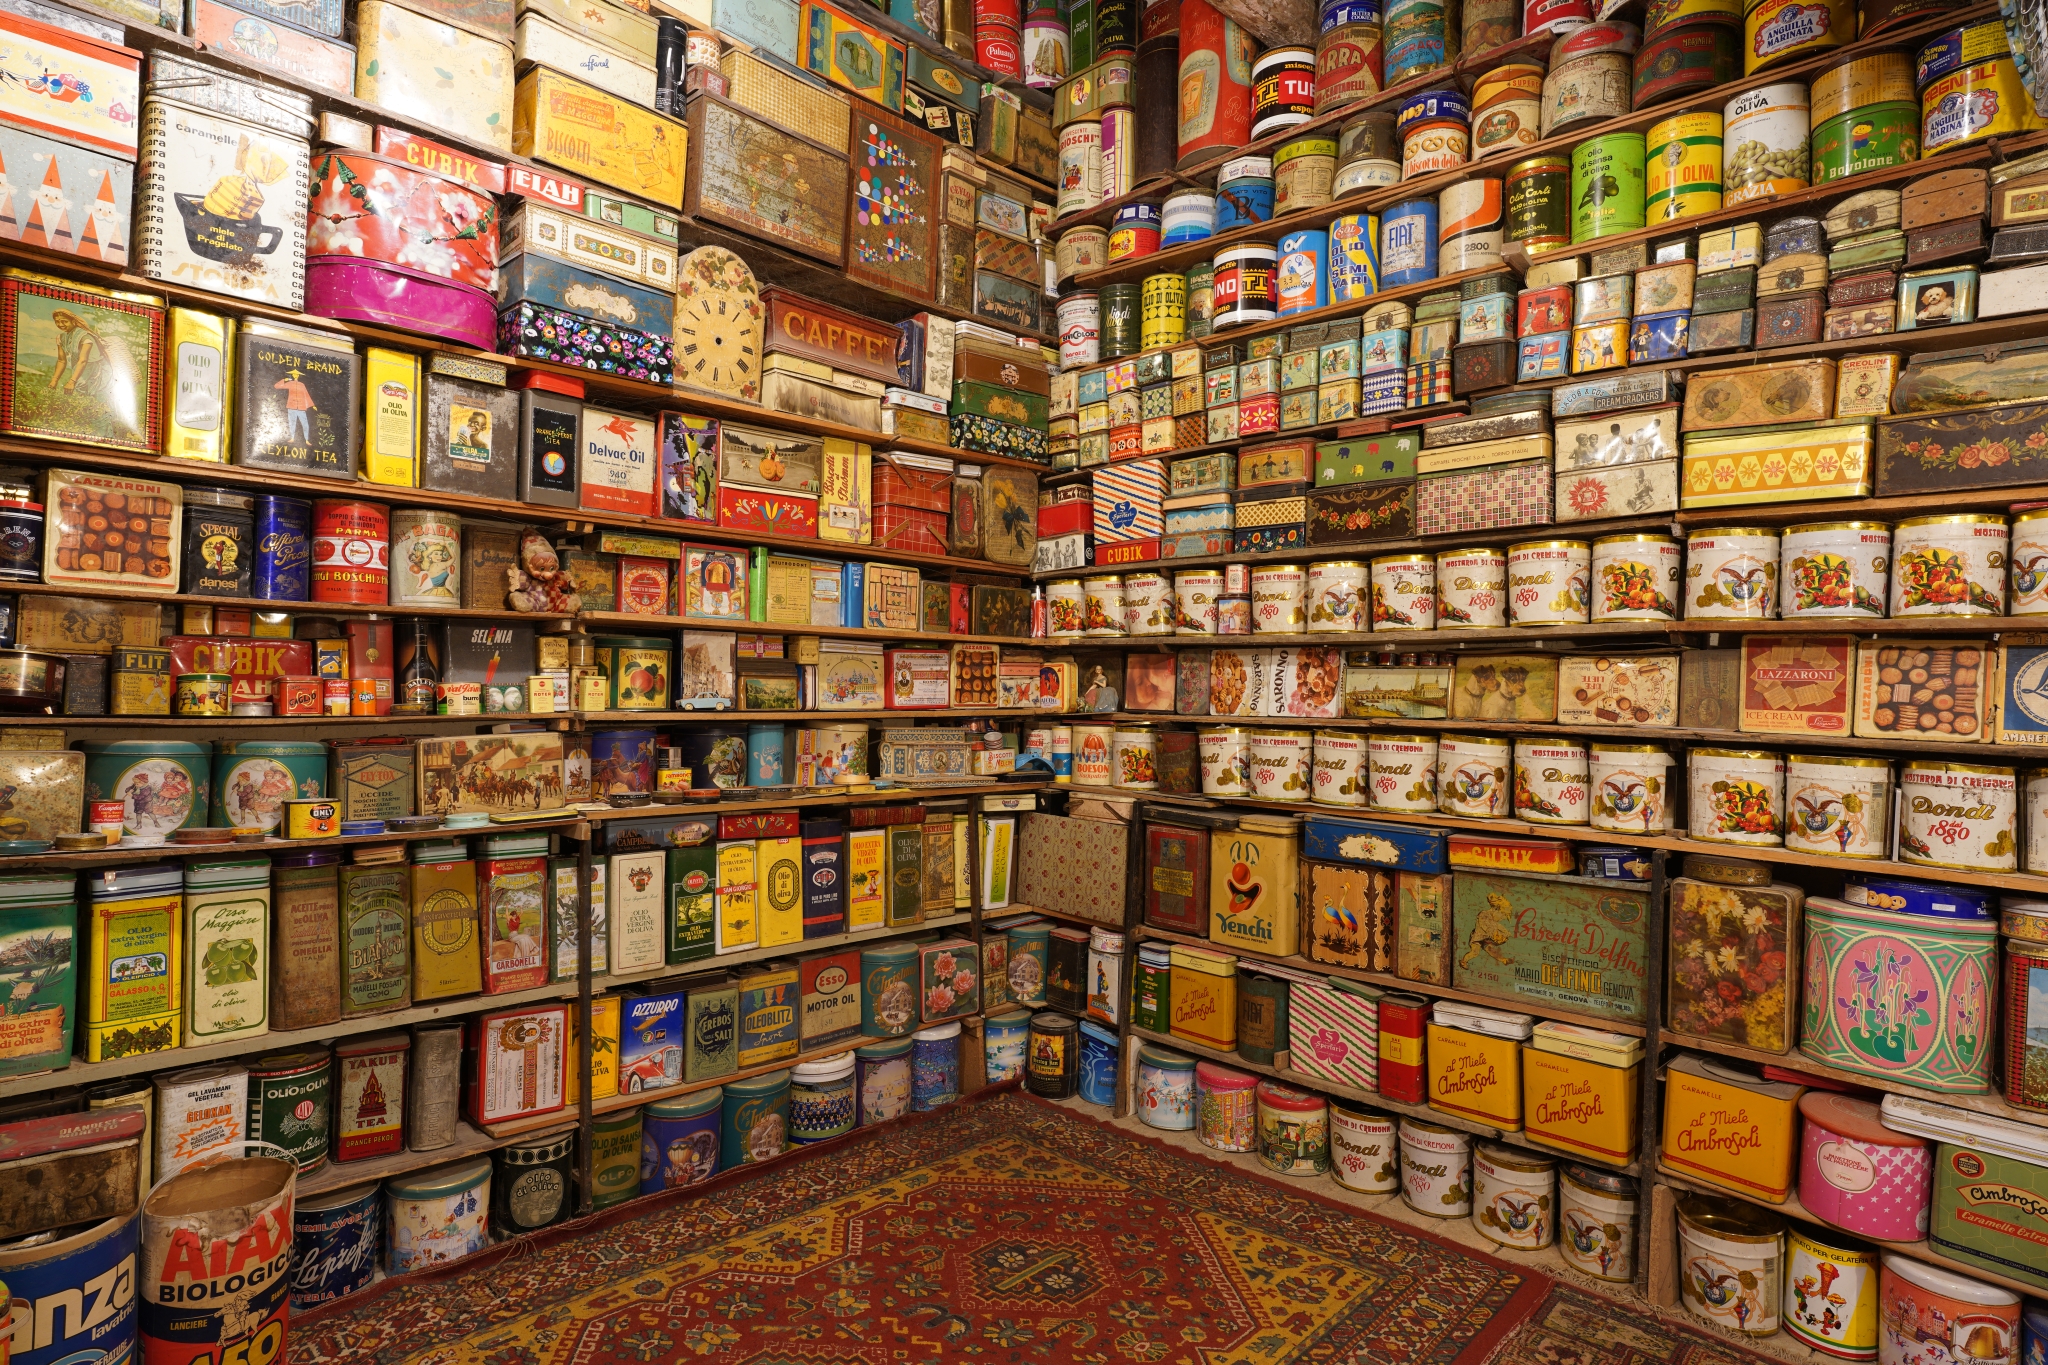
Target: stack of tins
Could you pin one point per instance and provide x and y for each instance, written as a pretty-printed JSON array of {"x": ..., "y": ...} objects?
[
  {"x": 1688, "y": 45},
  {"x": 999, "y": 36},
  {"x": 1158, "y": 71},
  {"x": 1970, "y": 89},
  {"x": 1349, "y": 63},
  {"x": 1215, "y": 84},
  {"x": 1507, "y": 105},
  {"x": 1420, "y": 38},
  {"x": 1435, "y": 132},
  {"x": 1863, "y": 115},
  {"x": 1589, "y": 78},
  {"x": 1368, "y": 153}
]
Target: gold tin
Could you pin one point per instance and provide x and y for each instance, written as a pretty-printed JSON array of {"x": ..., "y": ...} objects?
[{"x": 204, "y": 694}]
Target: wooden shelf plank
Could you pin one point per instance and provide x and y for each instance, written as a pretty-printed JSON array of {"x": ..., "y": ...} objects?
[{"x": 340, "y": 1175}]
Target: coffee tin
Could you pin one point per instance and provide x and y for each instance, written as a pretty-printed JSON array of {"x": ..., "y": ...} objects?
[
  {"x": 1841, "y": 569},
  {"x": 1472, "y": 776},
  {"x": 1735, "y": 796},
  {"x": 1471, "y": 589},
  {"x": 1283, "y": 89},
  {"x": 1244, "y": 192},
  {"x": 284, "y": 549}
]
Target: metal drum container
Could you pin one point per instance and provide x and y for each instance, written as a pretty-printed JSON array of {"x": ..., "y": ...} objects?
[
  {"x": 1724, "y": 1249},
  {"x": 533, "y": 1183},
  {"x": 1953, "y": 564},
  {"x": 1539, "y": 200},
  {"x": 337, "y": 1240},
  {"x": 1514, "y": 1196},
  {"x": 1408, "y": 243},
  {"x": 1364, "y": 1152},
  {"x": 1471, "y": 589},
  {"x": 1549, "y": 582},
  {"x": 1837, "y": 806},
  {"x": 1402, "y": 593}
]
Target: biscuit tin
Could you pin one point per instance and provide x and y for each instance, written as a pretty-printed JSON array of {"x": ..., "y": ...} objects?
[
  {"x": 441, "y": 76},
  {"x": 89, "y": 98},
  {"x": 1923, "y": 1020},
  {"x": 56, "y": 337},
  {"x": 585, "y": 130},
  {"x": 1588, "y": 956}
]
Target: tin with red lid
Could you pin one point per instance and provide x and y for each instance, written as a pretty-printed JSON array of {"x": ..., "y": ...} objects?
[{"x": 351, "y": 551}]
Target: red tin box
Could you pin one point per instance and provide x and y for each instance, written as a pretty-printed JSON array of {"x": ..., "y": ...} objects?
[
  {"x": 763, "y": 824},
  {"x": 897, "y": 485},
  {"x": 1177, "y": 879},
  {"x": 378, "y": 208},
  {"x": 1544, "y": 310},
  {"x": 910, "y": 530},
  {"x": 1404, "y": 1022},
  {"x": 782, "y": 514}
]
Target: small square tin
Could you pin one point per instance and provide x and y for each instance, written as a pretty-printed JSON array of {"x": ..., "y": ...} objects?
[
  {"x": 1262, "y": 348},
  {"x": 1123, "y": 408},
  {"x": 1382, "y": 391},
  {"x": 1482, "y": 365},
  {"x": 1155, "y": 435},
  {"x": 1222, "y": 425},
  {"x": 1543, "y": 310},
  {"x": 1947, "y": 242},
  {"x": 1487, "y": 318},
  {"x": 1792, "y": 275},
  {"x": 1297, "y": 409},
  {"x": 1936, "y": 298},
  {"x": 1091, "y": 386},
  {"x": 1155, "y": 400},
  {"x": 1151, "y": 368},
  {"x": 1339, "y": 360},
  {"x": 1626, "y": 259},
  {"x": 1219, "y": 387},
  {"x": 1660, "y": 336},
  {"x": 1729, "y": 247},
  {"x": 1430, "y": 383},
  {"x": 1543, "y": 356},
  {"x": 1603, "y": 346},
  {"x": 1337, "y": 401},
  {"x": 1858, "y": 320},
  {"x": 1789, "y": 320},
  {"x": 1186, "y": 362},
  {"x": 1884, "y": 247},
  {"x": 1665, "y": 289},
  {"x": 1382, "y": 350},
  {"x": 1712, "y": 332},
  {"x": 1791, "y": 236},
  {"x": 1432, "y": 340},
  {"x": 1092, "y": 417},
  {"x": 1187, "y": 395},
  {"x": 1300, "y": 370},
  {"x": 1604, "y": 298},
  {"x": 1120, "y": 375},
  {"x": 1258, "y": 415}
]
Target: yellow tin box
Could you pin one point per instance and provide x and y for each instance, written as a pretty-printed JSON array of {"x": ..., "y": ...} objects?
[
  {"x": 1475, "y": 1076},
  {"x": 434, "y": 73},
  {"x": 134, "y": 995},
  {"x": 1253, "y": 898},
  {"x": 446, "y": 956},
  {"x": 604, "y": 1051},
  {"x": 1203, "y": 995},
  {"x": 391, "y": 411},
  {"x": 780, "y": 894},
  {"x": 1726, "y": 1128},
  {"x": 1576, "y": 1105},
  {"x": 867, "y": 877},
  {"x": 1799, "y": 464},
  {"x": 846, "y": 496},
  {"x": 199, "y": 360},
  {"x": 738, "y": 895},
  {"x": 585, "y": 130}
]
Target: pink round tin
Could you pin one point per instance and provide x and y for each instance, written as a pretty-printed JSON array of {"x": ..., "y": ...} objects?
[{"x": 1859, "y": 1175}]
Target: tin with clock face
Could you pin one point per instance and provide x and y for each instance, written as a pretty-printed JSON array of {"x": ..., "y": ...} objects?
[{"x": 718, "y": 324}]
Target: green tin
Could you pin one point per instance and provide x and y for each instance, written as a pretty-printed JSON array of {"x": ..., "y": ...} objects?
[
  {"x": 1261, "y": 1017},
  {"x": 39, "y": 950},
  {"x": 1573, "y": 942},
  {"x": 756, "y": 1120},
  {"x": 888, "y": 990},
  {"x": 1867, "y": 139},
  {"x": 711, "y": 1029},
  {"x": 614, "y": 1158},
  {"x": 376, "y": 939},
  {"x": 227, "y": 948},
  {"x": 692, "y": 901},
  {"x": 1030, "y": 945},
  {"x": 1991, "y": 1210},
  {"x": 1150, "y": 989},
  {"x": 1004, "y": 404},
  {"x": 1201, "y": 303},
  {"x": 1367, "y": 459},
  {"x": 290, "y": 1100},
  {"x": 1607, "y": 186},
  {"x": 1122, "y": 319},
  {"x": 253, "y": 778},
  {"x": 162, "y": 784},
  {"x": 1883, "y": 247}
]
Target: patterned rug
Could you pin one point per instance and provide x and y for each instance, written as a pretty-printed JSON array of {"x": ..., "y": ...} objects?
[
  {"x": 1000, "y": 1230},
  {"x": 1576, "y": 1328}
]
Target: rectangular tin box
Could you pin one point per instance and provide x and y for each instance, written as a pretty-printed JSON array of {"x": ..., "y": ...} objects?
[{"x": 1568, "y": 942}]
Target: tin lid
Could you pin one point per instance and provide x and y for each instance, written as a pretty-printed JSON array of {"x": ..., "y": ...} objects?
[
  {"x": 1095, "y": 1032},
  {"x": 1954, "y": 518},
  {"x": 568, "y": 386},
  {"x": 440, "y": 851},
  {"x": 694, "y": 1105},
  {"x": 1154, "y": 955},
  {"x": 442, "y": 1180},
  {"x": 1840, "y": 760},
  {"x": 1514, "y": 1158},
  {"x": 515, "y": 845},
  {"x": 394, "y": 1040},
  {"x": 1277, "y": 1096},
  {"x": 750, "y": 1087},
  {"x": 220, "y": 497},
  {"x": 1709, "y": 532},
  {"x": 1852, "y": 1118},
  {"x": 214, "y": 874},
  {"x": 37, "y": 888},
  {"x": 827, "y": 1069},
  {"x": 1726, "y": 871},
  {"x": 937, "y": 1033},
  {"x": 884, "y": 1051},
  {"x": 1811, "y": 527},
  {"x": 118, "y": 883},
  {"x": 1603, "y": 1181},
  {"x": 1151, "y": 1054},
  {"x": 1961, "y": 1127},
  {"x": 1938, "y": 1281},
  {"x": 1728, "y": 1218},
  {"x": 290, "y": 1062},
  {"x": 1220, "y": 1078},
  {"x": 1051, "y": 1021},
  {"x": 546, "y": 1148},
  {"x": 1011, "y": 1020}
]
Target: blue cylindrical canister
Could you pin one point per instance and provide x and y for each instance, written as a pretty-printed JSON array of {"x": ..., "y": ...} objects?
[
  {"x": 1354, "y": 268},
  {"x": 756, "y": 1120},
  {"x": 621, "y": 761},
  {"x": 764, "y": 754},
  {"x": 1338, "y": 13},
  {"x": 679, "y": 1140},
  {"x": 1244, "y": 191},
  {"x": 95, "y": 1268},
  {"x": 1298, "y": 274},
  {"x": 1004, "y": 1038},
  {"x": 1098, "y": 1064},
  {"x": 335, "y": 1238},
  {"x": 1449, "y": 103},
  {"x": 882, "y": 1080},
  {"x": 1408, "y": 243},
  {"x": 284, "y": 549},
  {"x": 253, "y": 778},
  {"x": 1188, "y": 216},
  {"x": 935, "y": 1066},
  {"x": 1421, "y": 36}
]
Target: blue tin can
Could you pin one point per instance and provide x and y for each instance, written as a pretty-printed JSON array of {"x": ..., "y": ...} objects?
[
  {"x": 1003, "y": 1041},
  {"x": 1919, "y": 898},
  {"x": 1337, "y": 13},
  {"x": 335, "y": 1237},
  {"x": 1384, "y": 350},
  {"x": 679, "y": 1140},
  {"x": 1187, "y": 216},
  {"x": 621, "y": 761},
  {"x": 2034, "y": 1325},
  {"x": 284, "y": 549},
  {"x": 1408, "y": 243},
  {"x": 764, "y": 754},
  {"x": 1244, "y": 192},
  {"x": 935, "y": 1066},
  {"x": 1354, "y": 269},
  {"x": 61, "y": 1275},
  {"x": 1298, "y": 275},
  {"x": 1098, "y": 1064},
  {"x": 1431, "y": 105},
  {"x": 755, "y": 1120}
]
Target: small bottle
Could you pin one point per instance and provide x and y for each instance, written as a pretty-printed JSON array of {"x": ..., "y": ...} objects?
[{"x": 1038, "y": 613}]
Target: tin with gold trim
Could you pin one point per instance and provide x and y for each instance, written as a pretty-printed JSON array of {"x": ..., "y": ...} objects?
[
  {"x": 1552, "y": 781},
  {"x": 1735, "y": 796},
  {"x": 1304, "y": 173},
  {"x": 1635, "y": 577},
  {"x": 1857, "y": 80},
  {"x": 1631, "y": 788},
  {"x": 1081, "y": 250},
  {"x": 1973, "y": 103},
  {"x": 1135, "y": 232},
  {"x": 1682, "y": 167},
  {"x": 1163, "y": 311},
  {"x": 2028, "y": 556},
  {"x": 1514, "y": 1196},
  {"x": 1959, "y": 815},
  {"x": 1472, "y": 775},
  {"x": 1549, "y": 582},
  {"x": 1401, "y": 772},
  {"x": 1868, "y": 139},
  {"x": 203, "y": 694},
  {"x": 1837, "y": 569},
  {"x": 1596, "y": 1217},
  {"x": 1283, "y": 89},
  {"x": 1958, "y": 48},
  {"x": 1402, "y": 593},
  {"x": 1952, "y": 564},
  {"x": 1660, "y": 15},
  {"x": 1201, "y": 299},
  {"x": 1731, "y": 1265},
  {"x": 1836, "y": 805},
  {"x": 1079, "y": 318},
  {"x": 1472, "y": 589},
  {"x": 1244, "y": 285},
  {"x": 1507, "y": 109},
  {"x": 1778, "y": 31},
  {"x": 1607, "y": 186},
  {"x": 1839, "y": 1320},
  {"x": 1539, "y": 197},
  {"x": 1681, "y": 60}
]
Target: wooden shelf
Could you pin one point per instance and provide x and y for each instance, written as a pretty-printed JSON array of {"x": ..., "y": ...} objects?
[
  {"x": 614, "y": 621},
  {"x": 131, "y": 856},
  {"x": 1867, "y": 509},
  {"x": 340, "y": 1175},
  {"x": 1890, "y": 625},
  {"x": 1373, "y": 1098},
  {"x": 807, "y": 796},
  {"x": 1063, "y": 916},
  {"x": 265, "y": 604},
  {"x": 1395, "y": 641}
]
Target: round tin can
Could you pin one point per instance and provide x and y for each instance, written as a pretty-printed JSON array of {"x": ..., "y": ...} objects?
[
  {"x": 1507, "y": 109},
  {"x": 319, "y": 818},
  {"x": 1778, "y": 31},
  {"x": 1549, "y": 583},
  {"x": 1472, "y": 589},
  {"x": 1586, "y": 89},
  {"x": 1080, "y": 250},
  {"x": 437, "y": 1216},
  {"x": 889, "y": 992},
  {"x": 754, "y": 1124},
  {"x": 1469, "y": 236},
  {"x": 253, "y": 778},
  {"x": 1556, "y": 16},
  {"x": 1966, "y": 1319},
  {"x": 1201, "y": 299},
  {"x": 1080, "y": 167},
  {"x": 1339, "y": 768},
  {"x": 1166, "y": 1089},
  {"x": 426, "y": 556},
  {"x": 1227, "y": 1105},
  {"x": 1365, "y": 174},
  {"x": 1949, "y": 565},
  {"x": 289, "y": 1104},
  {"x": 1103, "y": 605},
  {"x": 1244, "y": 192},
  {"x": 1094, "y": 751},
  {"x": 1683, "y": 165},
  {"x": 1858, "y": 1175},
  {"x": 1363, "y": 1149},
  {"x": 1279, "y": 599},
  {"x": 2029, "y": 557},
  {"x": 614, "y": 1158},
  {"x": 531, "y": 1182},
  {"x": 1841, "y": 569},
  {"x": 1079, "y": 318},
  {"x": 1244, "y": 285},
  {"x": 351, "y": 551},
  {"x": 1294, "y": 1130},
  {"x": 1053, "y": 1069},
  {"x": 1514, "y": 1196},
  {"x": 1664, "y": 14},
  {"x": 1354, "y": 260},
  {"x": 1304, "y": 173},
  {"x": 1119, "y": 152},
  {"x": 1631, "y": 788},
  {"x": 1225, "y": 757},
  {"x": 821, "y": 1103},
  {"x": 336, "y": 1238},
  {"x": 1134, "y": 232},
  {"x": 1403, "y": 593},
  {"x": 1960, "y": 47},
  {"x": 1420, "y": 37},
  {"x": 2024, "y": 921},
  {"x": 1148, "y": 604},
  {"x": 1735, "y": 796},
  {"x": 1731, "y": 574},
  {"x": 1635, "y": 577},
  {"x": 2034, "y": 852},
  {"x": 1539, "y": 193},
  {"x": 1860, "y": 80},
  {"x": 1680, "y": 61},
  {"x": 1370, "y": 136},
  {"x": 1195, "y": 594},
  {"x": 1187, "y": 216},
  {"x": 1283, "y": 89},
  {"x": 1280, "y": 763},
  {"x": 1004, "y": 1045},
  {"x": 284, "y": 549},
  {"x": 1401, "y": 772},
  {"x": 1436, "y": 1169},
  {"x": 1596, "y": 1222},
  {"x": 204, "y": 694},
  {"x": 1336, "y": 596},
  {"x": 1837, "y": 806},
  {"x": 1408, "y": 243},
  {"x": 161, "y": 785},
  {"x": 1066, "y": 609},
  {"x": 882, "y": 1081},
  {"x": 1730, "y": 1264},
  {"x": 1299, "y": 272},
  {"x": 934, "y": 1067},
  {"x": 679, "y": 1140},
  {"x": 1868, "y": 139},
  {"x": 1215, "y": 105},
  {"x": 1121, "y": 329},
  {"x": 1764, "y": 135},
  {"x": 1607, "y": 186},
  {"x": 1472, "y": 776},
  {"x": 1349, "y": 62},
  {"x": 1435, "y": 145},
  {"x": 1134, "y": 756},
  {"x": 1552, "y": 782},
  {"x": 1831, "y": 1292},
  {"x": 1958, "y": 815}
]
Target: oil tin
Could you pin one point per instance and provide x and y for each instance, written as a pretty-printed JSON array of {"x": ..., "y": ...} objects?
[
  {"x": 227, "y": 945},
  {"x": 1225, "y": 759},
  {"x": 1162, "y": 311},
  {"x": 1408, "y": 243},
  {"x": 1958, "y": 815},
  {"x": 1401, "y": 772},
  {"x": 1052, "y": 1069},
  {"x": 1244, "y": 192},
  {"x": 1402, "y": 593},
  {"x": 1921, "y": 1305},
  {"x": 1227, "y": 1108},
  {"x": 614, "y": 1158},
  {"x": 1244, "y": 285},
  {"x": 1953, "y": 564},
  {"x": 1736, "y": 796},
  {"x": 532, "y": 1183},
  {"x": 1471, "y": 589},
  {"x": 1354, "y": 267},
  {"x": 1299, "y": 272},
  {"x": 133, "y": 945},
  {"x": 1859, "y": 1175},
  {"x": 1294, "y": 1130},
  {"x": 1683, "y": 169},
  {"x": 1596, "y": 1222},
  {"x": 1607, "y": 186},
  {"x": 1585, "y": 89},
  {"x": 1472, "y": 776},
  {"x": 1778, "y": 31},
  {"x": 1972, "y": 103},
  {"x": 1731, "y": 574},
  {"x": 284, "y": 549},
  {"x": 1280, "y": 764},
  {"x": 437, "y": 1216},
  {"x": 1630, "y": 788},
  {"x": 1765, "y": 133},
  {"x": 290, "y": 1096},
  {"x": 1872, "y": 138},
  {"x": 1837, "y": 806},
  {"x": 1283, "y": 89},
  {"x": 1549, "y": 582},
  {"x": 1635, "y": 577},
  {"x": 1436, "y": 1169},
  {"x": 337, "y": 1236},
  {"x": 1514, "y": 1196},
  {"x": 1539, "y": 200},
  {"x": 1731, "y": 1264},
  {"x": 1841, "y": 569},
  {"x": 351, "y": 551},
  {"x": 1946, "y": 964}
]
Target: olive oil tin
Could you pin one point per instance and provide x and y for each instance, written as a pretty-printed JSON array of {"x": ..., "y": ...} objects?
[
  {"x": 290, "y": 1098},
  {"x": 198, "y": 380}
]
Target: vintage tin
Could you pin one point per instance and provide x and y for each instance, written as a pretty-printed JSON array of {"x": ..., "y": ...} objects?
[
  {"x": 1616, "y": 160},
  {"x": 1592, "y": 87},
  {"x": 437, "y": 1216},
  {"x": 1280, "y": 764},
  {"x": 288, "y": 1104},
  {"x": 337, "y": 1239},
  {"x": 1731, "y": 574},
  {"x": 1539, "y": 198},
  {"x": 1471, "y": 589},
  {"x": 1551, "y": 782},
  {"x": 1364, "y": 1155},
  {"x": 1596, "y": 1219},
  {"x": 1767, "y": 129},
  {"x": 1408, "y": 243},
  {"x": 1736, "y": 796},
  {"x": 1958, "y": 815},
  {"x": 1103, "y": 611},
  {"x": 1835, "y": 569},
  {"x": 1226, "y": 1108},
  {"x": 1946, "y": 963},
  {"x": 1778, "y": 31},
  {"x": 1630, "y": 788},
  {"x": 1731, "y": 1264},
  {"x": 1052, "y": 1069},
  {"x": 1401, "y": 772},
  {"x": 1837, "y": 806},
  {"x": 1635, "y": 577},
  {"x": 1984, "y": 100},
  {"x": 1293, "y": 1130},
  {"x": 1225, "y": 761},
  {"x": 755, "y": 1122},
  {"x": 679, "y": 1140},
  {"x": 1339, "y": 768},
  {"x": 1919, "y": 1303},
  {"x": 1244, "y": 285},
  {"x": 1859, "y": 1175},
  {"x": 2025, "y": 972},
  {"x": 351, "y": 551},
  {"x": 1953, "y": 564},
  {"x": 1436, "y": 1169},
  {"x": 1279, "y": 599},
  {"x": 1402, "y": 593},
  {"x": 1472, "y": 776},
  {"x": 1867, "y": 139},
  {"x": 1244, "y": 192},
  {"x": 1514, "y": 1196},
  {"x": 1549, "y": 582},
  {"x": 1683, "y": 165}
]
